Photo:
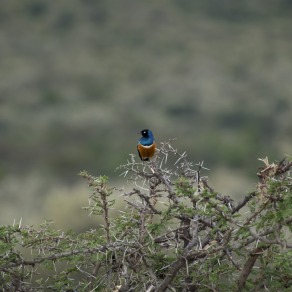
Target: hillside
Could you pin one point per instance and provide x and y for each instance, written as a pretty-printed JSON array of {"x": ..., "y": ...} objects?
[{"x": 79, "y": 79}]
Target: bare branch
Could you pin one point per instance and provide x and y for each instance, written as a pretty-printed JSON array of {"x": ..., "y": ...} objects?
[{"x": 247, "y": 268}]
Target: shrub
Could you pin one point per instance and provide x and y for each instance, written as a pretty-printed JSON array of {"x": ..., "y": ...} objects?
[{"x": 175, "y": 233}]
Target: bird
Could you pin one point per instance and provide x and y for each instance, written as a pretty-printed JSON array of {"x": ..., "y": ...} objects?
[{"x": 146, "y": 145}]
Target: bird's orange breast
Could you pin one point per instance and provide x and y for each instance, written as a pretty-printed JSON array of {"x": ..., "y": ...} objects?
[{"x": 146, "y": 152}]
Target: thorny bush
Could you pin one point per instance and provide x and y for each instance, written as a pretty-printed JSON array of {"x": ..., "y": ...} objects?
[{"x": 175, "y": 233}]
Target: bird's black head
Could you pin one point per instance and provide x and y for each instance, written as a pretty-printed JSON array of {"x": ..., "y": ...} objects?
[{"x": 145, "y": 133}]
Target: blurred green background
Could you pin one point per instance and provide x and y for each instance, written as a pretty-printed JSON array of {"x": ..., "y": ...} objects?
[{"x": 80, "y": 78}]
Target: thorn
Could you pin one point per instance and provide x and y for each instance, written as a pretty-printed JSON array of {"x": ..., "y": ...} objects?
[{"x": 19, "y": 225}]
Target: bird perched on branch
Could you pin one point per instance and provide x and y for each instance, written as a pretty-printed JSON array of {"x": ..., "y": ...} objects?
[{"x": 146, "y": 145}]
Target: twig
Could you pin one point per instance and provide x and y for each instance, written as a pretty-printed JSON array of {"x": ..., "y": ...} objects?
[{"x": 248, "y": 266}]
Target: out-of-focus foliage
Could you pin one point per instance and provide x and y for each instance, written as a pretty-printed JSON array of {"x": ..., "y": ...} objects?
[{"x": 79, "y": 78}]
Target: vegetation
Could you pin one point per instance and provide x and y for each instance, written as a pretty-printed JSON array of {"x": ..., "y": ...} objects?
[
  {"x": 176, "y": 233},
  {"x": 80, "y": 78},
  {"x": 75, "y": 75}
]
